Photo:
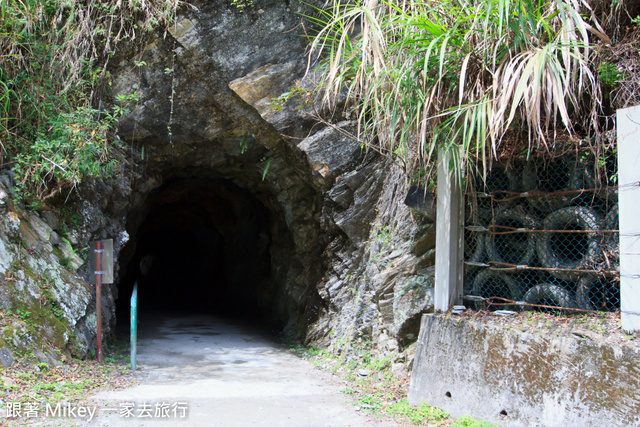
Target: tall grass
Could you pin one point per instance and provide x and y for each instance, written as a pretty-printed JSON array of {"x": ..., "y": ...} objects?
[
  {"x": 53, "y": 76},
  {"x": 460, "y": 74}
]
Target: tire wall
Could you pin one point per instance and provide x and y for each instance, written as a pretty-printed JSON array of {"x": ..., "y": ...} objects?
[{"x": 543, "y": 232}]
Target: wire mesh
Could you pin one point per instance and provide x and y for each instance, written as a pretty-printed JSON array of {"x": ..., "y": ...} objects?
[{"x": 543, "y": 235}]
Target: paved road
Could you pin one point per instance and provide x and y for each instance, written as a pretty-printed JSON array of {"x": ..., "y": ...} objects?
[{"x": 204, "y": 371}]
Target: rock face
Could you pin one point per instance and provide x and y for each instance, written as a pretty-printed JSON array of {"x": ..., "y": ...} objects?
[
  {"x": 51, "y": 304},
  {"x": 222, "y": 104},
  {"x": 374, "y": 288},
  {"x": 234, "y": 197}
]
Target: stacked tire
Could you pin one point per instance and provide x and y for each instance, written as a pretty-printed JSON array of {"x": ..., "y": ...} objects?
[{"x": 567, "y": 233}]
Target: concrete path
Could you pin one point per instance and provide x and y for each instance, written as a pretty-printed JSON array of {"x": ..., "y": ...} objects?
[{"x": 204, "y": 371}]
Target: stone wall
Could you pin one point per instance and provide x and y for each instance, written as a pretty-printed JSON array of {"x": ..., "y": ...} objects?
[{"x": 516, "y": 378}]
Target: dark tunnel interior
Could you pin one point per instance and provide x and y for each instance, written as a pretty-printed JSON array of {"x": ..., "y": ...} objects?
[{"x": 199, "y": 246}]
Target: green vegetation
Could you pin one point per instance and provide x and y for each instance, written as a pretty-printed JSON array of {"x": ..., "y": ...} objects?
[
  {"x": 465, "y": 76},
  {"x": 242, "y": 4},
  {"x": 383, "y": 234},
  {"x": 470, "y": 422},
  {"x": 302, "y": 96},
  {"x": 54, "y": 126},
  {"x": 39, "y": 328},
  {"x": 382, "y": 238},
  {"x": 73, "y": 146},
  {"x": 418, "y": 415},
  {"x": 72, "y": 381},
  {"x": 37, "y": 323},
  {"x": 373, "y": 388},
  {"x": 609, "y": 74}
]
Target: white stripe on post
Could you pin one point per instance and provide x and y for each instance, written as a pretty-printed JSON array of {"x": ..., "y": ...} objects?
[
  {"x": 628, "y": 126},
  {"x": 449, "y": 238}
]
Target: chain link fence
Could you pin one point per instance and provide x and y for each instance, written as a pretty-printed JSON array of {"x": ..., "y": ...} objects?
[{"x": 543, "y": 234}]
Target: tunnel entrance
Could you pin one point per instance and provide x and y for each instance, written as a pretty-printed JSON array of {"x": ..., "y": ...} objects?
[{"x": 200, "y": 245}]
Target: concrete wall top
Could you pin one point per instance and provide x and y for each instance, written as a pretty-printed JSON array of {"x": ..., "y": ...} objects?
[{"x": 516, "y": 378}]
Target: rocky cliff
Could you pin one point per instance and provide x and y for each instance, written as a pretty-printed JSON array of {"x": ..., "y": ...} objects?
[{"x": 235, "y": 198}]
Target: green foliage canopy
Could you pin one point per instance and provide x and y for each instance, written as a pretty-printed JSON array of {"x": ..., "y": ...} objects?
[
  {"x": 54, "y": 131},
  {"x": 460, "y": 75}
]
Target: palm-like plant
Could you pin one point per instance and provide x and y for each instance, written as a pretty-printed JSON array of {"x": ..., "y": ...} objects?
[{"x": 446, "y": 74}]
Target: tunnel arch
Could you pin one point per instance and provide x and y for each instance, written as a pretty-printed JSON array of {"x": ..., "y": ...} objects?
[
  {"x": 212, "y": 118},
  {"x": 202, "y": 242}
]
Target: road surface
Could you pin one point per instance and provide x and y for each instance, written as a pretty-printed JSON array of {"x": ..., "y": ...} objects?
[{"x": 205, "y": 371}]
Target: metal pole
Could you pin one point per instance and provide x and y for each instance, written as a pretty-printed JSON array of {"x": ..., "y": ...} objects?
[
  {"x": 99, "y": 297},
  {"x": 134, "y": 325}
]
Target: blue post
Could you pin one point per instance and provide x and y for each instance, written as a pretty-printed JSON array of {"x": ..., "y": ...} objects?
[{"x": 134, "y": 325}]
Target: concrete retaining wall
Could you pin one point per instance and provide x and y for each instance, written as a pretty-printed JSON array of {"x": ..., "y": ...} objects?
[{"x": 516, "y": 378}]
